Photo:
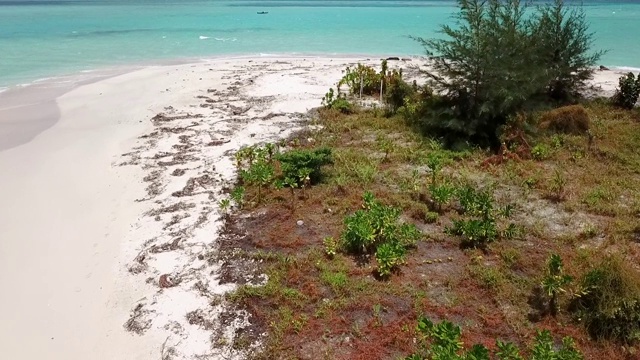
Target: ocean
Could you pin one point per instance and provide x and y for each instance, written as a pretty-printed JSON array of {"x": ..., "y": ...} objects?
[{"x": 41, "y": 39}]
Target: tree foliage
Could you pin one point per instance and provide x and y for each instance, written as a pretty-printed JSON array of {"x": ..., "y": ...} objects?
[{"x": 499, "y": 59}]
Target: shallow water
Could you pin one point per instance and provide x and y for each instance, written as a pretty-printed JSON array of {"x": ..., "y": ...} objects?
[{"x": 46, "y": 38}]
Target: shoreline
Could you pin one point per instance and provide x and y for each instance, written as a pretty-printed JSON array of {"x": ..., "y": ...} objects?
[{"x": 111, "y": 218}]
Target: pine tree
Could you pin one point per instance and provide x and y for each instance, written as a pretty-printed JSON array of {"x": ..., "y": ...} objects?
[
  {"x": 499, "y": 59},
  {"x": 565, "y": 42}
]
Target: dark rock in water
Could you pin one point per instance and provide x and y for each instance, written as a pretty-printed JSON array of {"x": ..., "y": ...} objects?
[
  {"x": 406, "y": 59},
  {"x": 602, "y": 68},
  {"x": 393, "y": 58}
]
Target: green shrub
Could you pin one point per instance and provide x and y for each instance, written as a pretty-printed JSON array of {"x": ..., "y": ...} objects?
[
  {"x": 397, "y": 92},
  {"x": 299, "y": 163},
  {"x": 361, "y": 74},
  {"x": 441, "y": 194},
  {"x": 431, "y": 217},
  {"x": 498, "y": 60},
  {"x": 475, "y": 202},
  {"x": 572, "y": 119},
  {"x": 609, "y": 301},
  {"x": 554, "y": 281},
  {"x": 337, "y": 102},
  {"x": 474, "y": 232},
  {"x": 375, "y": 229},
  {"x": 260, "y": 173},
  {"x": 627, "y": 92},
  {"x": 389, "y": 256},
  {"x": 442, "y": 341},
  {"x": 540, "y": 152}
]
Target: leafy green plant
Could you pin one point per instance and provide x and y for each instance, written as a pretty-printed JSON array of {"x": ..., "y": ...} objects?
[
  {"x": 375, "y": 227},
  {"x": 435, "y": 162},
  {"x": 441, "y": 194},
  {"x": 237, "y": 195},
  {"x": 608, "y": 302},
  {"x": 224, "y": 205},
  {"x": 397, "y": 92},
  {"x": 260, "y": 173},
  {"x": 389, "y": 256},
  {"x": 558, "y": 185},
  {"x": 359, "y": 75},
  {"x": 540, "y": 152},
  {"x": 442, "y": 341},
  {"x": 475, "y": 202},
  {"x": 385, "y": 146},
  {"x": 474, "y": 232},
  {"x": 331, "y": 246},
  {"x": 554, "y": 282},
  {"x": 628, "y": 91},
  {"x": 338, "y": 102},
  {"x": 299, "y": 164}
]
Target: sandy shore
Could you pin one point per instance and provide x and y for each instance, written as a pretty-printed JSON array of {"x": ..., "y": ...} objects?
[{"x": 110, "y": 196}]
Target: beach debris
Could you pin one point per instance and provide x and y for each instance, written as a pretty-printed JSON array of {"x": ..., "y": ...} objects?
[
  {"x": 218, "y": 142},
  {"x": 136, "y": 323},
  {"x": 603, "y": 68},
  {"x": 166, "y": 281}
]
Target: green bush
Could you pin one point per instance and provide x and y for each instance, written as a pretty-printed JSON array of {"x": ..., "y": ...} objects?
[
  {"x": 260, "y": 173},
  {"x": 497, "y": 61},
  {"x": 361, "y": 74},
  {"x": 474, "y": 232},
  {"x": 375, "y": 229},
  {"x": 627, "y": 92},
  {"x": 442, "y": 341},
  {"x": 478, "y": 227},
  {"x": 389, "y": 256},
  {"x": 397, "y": 91},
  {"x": 299, "y": 163},
  {"x": 540, "y": 152},
  {"x": 554, "y": 281},
  {"x": 609, "y": 301},
  {"x": 337, "y": 102}
]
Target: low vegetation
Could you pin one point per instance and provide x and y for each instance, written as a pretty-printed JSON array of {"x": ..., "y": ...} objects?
[{"x": 366, "y": 226}]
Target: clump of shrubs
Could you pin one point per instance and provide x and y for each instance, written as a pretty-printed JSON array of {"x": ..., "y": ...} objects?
[
  {"x": 608, "y": 303},
  {"x": 628, "y": 91},
  {"x": 375, "y": 229},
  {"x": 338, "y": 102},
  {"x": 262, "y": 167},
  {"x": 443, "y": 341},
  {"x": 572, "y": 119},
  {"x": 363, "y": 75}
]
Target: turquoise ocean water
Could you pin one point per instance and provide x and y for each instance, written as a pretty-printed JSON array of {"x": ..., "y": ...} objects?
[{"x": 40, "y": 39}]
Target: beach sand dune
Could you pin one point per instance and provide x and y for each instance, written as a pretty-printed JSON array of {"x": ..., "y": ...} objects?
[{"x": 110, "y": 216}]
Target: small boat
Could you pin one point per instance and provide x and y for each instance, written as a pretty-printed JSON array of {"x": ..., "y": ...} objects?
[{"x": 262, "y": 12}]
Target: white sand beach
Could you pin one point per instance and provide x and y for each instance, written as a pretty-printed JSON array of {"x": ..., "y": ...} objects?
[{"x": 113, "y": 185}]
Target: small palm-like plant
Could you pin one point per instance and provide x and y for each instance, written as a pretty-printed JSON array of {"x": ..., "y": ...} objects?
[
  {"x": 554, "y": 282},
  {"x": 224, "y": 204},
  {"x": 260, "y": 173},
  {"x": 441, "y": 194},
  {"x": 237, "y": 195}
]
